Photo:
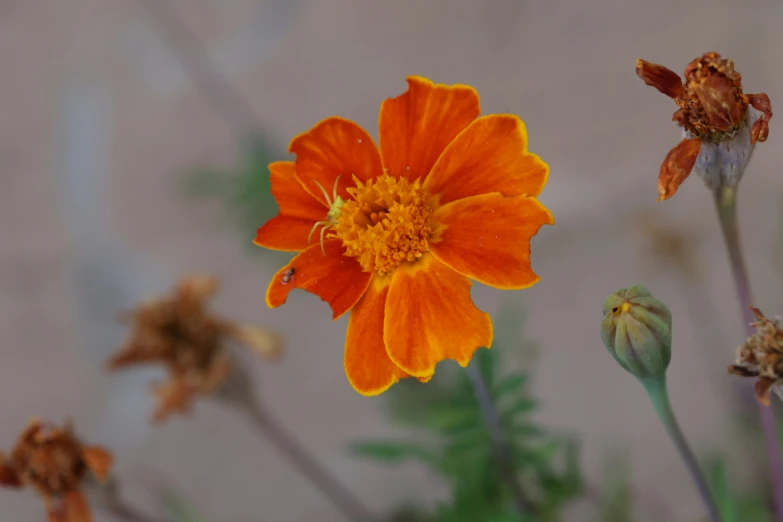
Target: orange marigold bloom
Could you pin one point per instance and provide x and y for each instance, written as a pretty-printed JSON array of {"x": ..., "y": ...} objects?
[
  {"x": 447, "y": 197},
  {"x": 719, "y": 132},
  {"x": 54, "y": 462},
  {"x": 181, "y": 333}
]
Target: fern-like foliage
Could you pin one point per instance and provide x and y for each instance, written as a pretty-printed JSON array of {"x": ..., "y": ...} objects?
[
  {"x": 245, "y": 191},
  {"x": 736, "y": 505},
  {"x": 448, "y": 435}
]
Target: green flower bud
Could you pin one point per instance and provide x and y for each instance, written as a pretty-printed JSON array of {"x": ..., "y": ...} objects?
[{"x": 637, "y": 331}]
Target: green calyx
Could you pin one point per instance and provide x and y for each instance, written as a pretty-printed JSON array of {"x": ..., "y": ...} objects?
[{"x": 637, "y": 331}]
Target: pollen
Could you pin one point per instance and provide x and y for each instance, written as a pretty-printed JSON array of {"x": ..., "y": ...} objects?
[{"x": 386, "y": 223}]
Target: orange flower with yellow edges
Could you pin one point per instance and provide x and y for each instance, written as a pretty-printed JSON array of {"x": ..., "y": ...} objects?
[{"x": 395, "y": 233}]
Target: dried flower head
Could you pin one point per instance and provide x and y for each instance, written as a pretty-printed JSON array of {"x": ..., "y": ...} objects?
[
  {"x": 762, "y": 356},
  {"x": 719, "y": 132},
  {"x": 54, "y": 462},
  {"x": 180, "y": 332}
]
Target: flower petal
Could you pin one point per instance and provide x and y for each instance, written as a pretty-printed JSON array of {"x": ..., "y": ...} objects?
[
  {"x": 677, "y": 167},
  {"x": 299, "y": 211},
  {"x": 287, "y": 234},
  {"x": 660, "y": 77},
  {"x": 174, "y": 396},
  {"x": 718, "y": 100},
  {"x": 487, "y": 238},
  {"x": 335, "y": 278},
  {"x": 9, "y": 478},
  {"x": 334, "y": 148},
  {"x": 292, "y": 198},
  {"x": 488, "y": 156},
  {"x": 72, "y": 507},
  {"x": 760, "y": 129},
  {"x": 367, "y": 366},
  {"x": 99, "y": 461},
  {"x": 762, "y": 387},
  {"x": 261, "y": 341},
  {"x": 416, "y": 126},
  {"x": 430, "y": 316}
]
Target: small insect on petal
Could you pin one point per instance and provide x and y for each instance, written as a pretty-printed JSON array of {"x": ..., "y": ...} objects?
[
  {"x": 760, "y": 129},
  {"x": 677, "y": 167},
  {"x": 660, "y": 77},
  {"x": 288, "y": 276}
]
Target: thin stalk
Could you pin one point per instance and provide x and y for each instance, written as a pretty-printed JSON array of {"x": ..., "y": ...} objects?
[
  {"x": 194, "y": 58},
  {"x": 726, "y": 205},
  {"x": 239, "y": 391},
  {"x": 659, "y": 396},
  {"x": 499, "y": 444}
]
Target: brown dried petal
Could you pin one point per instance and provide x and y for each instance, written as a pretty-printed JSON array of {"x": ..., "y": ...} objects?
[
  {"x": 9, "y": 478},
  {"x": 217, "y": 373},
  {"x": 99, "y": 461},
  {"x": 200, "y": 287},
  {"x": 677, "y": 167},
  {"x": 658, "y": 76},
  {"x": 72, "y": 507},
  {"x": 742, "y": 371},
  {"x": 760, "y": 129},
  {"x": 263, "y": 342},
  {"x": 136, "y": 352},
  {"x": 175, "y": 396},
  {"x": 762, "y": 388},
  {"x": 716, "y": 95}
]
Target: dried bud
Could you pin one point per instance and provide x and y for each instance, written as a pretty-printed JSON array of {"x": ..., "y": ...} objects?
[
  {"x": 637, "y": 331},
  {"x": 719, "y": 130},
  {"x": 761, "y": 356},
  {"x": 181, "y": 333},
  {"x": 54, "y": 462}
]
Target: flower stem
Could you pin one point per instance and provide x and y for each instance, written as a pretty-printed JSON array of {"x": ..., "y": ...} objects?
[
  {"x": 194, "y": 58},
  {"x": 659, "y": 396},
  {"x": 499, "y": 443},
  {"x": 726, "y": 204},
  {"x": 284, "y": 441}
]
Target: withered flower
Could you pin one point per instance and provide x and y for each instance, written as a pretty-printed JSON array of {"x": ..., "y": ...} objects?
[
  {"x": 179, "y": 332},
  {"x": 719, "y": 131},
  {"x": 762, "y": 356},
  {"x": 54, "y": 462}
]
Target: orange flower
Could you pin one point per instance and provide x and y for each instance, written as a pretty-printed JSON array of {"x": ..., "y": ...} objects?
[
  {"x": 182, "y": 334},
  {"x": 719, "y": 132},
  {"x": 447, "y": 197},
  {"x": 54, "y": 462}
]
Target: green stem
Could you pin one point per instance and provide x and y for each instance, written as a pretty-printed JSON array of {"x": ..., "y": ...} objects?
[
  {"x": 726, "y": 205},
  {"x": 499, "y": 444},
  {"x": 659, "y": 396}
]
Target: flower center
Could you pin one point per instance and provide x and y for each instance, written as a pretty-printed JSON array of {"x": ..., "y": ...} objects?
[
  {"x": 713, "y": 107},
  {"x": 386, "y": 223}
]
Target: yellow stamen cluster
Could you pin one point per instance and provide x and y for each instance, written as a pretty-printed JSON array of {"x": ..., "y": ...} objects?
[{"x": 386, "y": 223}]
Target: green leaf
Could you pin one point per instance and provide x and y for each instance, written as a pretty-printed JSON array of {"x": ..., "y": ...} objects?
[
  {"x": 513, "y": 384},
  {"x": 391, "y": 452},
  {"x": 735, "y": 505},
  {"x": 179, "y": 510}
]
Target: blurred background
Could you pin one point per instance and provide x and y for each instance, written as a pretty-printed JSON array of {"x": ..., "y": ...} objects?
[{"x": 114, "y": 110}]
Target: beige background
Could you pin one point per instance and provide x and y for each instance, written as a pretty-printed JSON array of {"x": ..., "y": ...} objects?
[{"x": 567, "y": 67}]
